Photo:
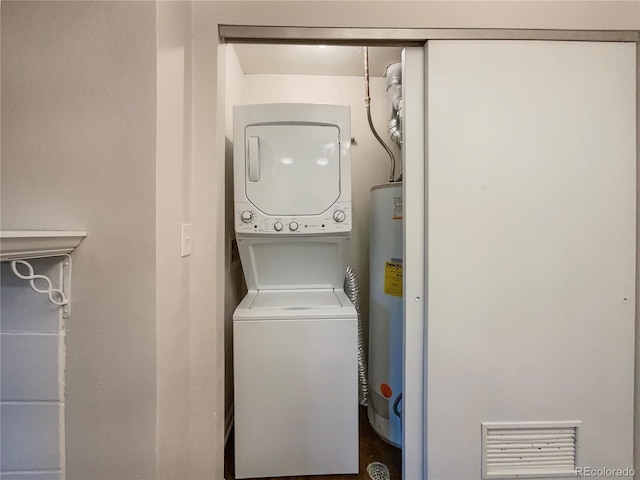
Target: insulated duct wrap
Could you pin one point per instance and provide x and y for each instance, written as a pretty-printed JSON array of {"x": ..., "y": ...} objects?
[
  {"x": 352, "y": 290},
  {"x": 394, "y": 92}
]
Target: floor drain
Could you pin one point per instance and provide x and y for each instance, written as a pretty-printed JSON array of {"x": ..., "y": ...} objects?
[{"x": 378, "y": 471}]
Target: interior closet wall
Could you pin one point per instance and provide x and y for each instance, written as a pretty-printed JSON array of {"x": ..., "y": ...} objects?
[{"x": 234, "y": 79}]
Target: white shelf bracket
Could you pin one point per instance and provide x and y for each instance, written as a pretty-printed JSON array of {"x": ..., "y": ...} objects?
[{"x": 57, "y": 296}]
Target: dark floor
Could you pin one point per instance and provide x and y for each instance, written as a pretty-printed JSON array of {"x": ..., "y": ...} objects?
[{"x": 372, "y": 449}]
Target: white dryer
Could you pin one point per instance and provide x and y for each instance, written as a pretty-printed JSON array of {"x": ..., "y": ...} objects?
[{"x": 295, "y": 332}]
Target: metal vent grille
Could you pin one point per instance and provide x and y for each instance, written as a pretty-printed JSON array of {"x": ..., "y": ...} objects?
[{"x": 530, "y": 449}]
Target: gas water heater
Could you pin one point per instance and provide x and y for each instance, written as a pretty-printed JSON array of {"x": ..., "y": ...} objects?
[
  {"x": 385, "y": 313},
  {"x": 385, "y": 285}
]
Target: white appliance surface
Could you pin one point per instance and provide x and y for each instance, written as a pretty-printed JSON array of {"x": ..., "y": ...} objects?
[
  {"x": 292, "y": 169},
  {"x": 294, "y": 305},
  {"x": 298, "y": 168},
  {"x": 296, "y": 396},
  {"x": 278, "y": 262},
  {"x": 296, "y": 299},
  {"x": 385, "y": 312},
  {"x": 295, "y": 332}
]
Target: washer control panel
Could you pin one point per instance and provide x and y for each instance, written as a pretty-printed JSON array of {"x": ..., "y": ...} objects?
[{"x": 249, "y": 219}]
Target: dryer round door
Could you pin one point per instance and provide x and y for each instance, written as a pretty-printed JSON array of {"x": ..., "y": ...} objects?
[{"x": 292, "y": 169}]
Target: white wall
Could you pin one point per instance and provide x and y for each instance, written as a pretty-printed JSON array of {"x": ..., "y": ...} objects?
[
  {"x": 78, "y": 153},
  {"x": 234, "y": 89},
  {"x": 190, "y": 404},
  {"x": 234, "y": 281},
  {"x": 173, "y": 208},
  {"x": 207, "y": 293},
  {"x": 561, "y": 14}
]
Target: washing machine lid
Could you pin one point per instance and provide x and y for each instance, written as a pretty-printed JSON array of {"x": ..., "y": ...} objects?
[
  {"x": 295, "y": 306},
  {"x": 295, "y": 299},
  {"x": 291, "y": 263},
  {"x": 291, "y": 168}
]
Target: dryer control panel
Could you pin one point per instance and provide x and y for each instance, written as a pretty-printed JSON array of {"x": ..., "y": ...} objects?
[{"x": 337, "y": 219}]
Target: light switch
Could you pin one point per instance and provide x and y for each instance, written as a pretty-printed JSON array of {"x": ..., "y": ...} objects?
[{"x": 186, "y": 243}]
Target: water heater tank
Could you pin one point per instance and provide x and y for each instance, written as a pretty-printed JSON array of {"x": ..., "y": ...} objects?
[{"x": 385, "y": 313}]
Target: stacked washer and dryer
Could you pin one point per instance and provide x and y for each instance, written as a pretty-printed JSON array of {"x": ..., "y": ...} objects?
[{"x": 295, "y": 332}]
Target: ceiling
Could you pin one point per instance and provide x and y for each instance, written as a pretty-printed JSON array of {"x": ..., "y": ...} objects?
[{"x": 314, "y": 59}]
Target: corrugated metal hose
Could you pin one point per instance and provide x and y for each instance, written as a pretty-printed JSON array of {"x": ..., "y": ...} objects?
[{"x": 352, "y": 290}]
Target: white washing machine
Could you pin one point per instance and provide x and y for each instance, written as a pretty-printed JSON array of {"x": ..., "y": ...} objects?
[{"x": 295, "y": 332}]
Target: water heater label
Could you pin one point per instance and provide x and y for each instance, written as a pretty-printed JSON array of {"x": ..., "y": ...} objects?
[
  {"x": 393, "y": 279},
  {"x": 397, "y": 208}
]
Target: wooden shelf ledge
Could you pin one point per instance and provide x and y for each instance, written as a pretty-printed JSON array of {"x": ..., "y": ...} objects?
[{"x": 23, "y": 244}]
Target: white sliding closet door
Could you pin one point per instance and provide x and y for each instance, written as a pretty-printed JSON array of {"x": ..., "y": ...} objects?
[{"x": 531, "y": 220}]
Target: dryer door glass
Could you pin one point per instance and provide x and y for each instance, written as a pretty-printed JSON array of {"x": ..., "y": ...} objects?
[{"x": 292, "y": 169}]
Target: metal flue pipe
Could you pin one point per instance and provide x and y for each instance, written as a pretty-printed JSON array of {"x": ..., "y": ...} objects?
[{"x": 367, "y": 102}]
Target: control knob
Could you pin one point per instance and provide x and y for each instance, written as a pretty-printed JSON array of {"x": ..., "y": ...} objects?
[
  {"x": 246, "y": 216},
  {"x": 293, "y": 226},
  {"x": 339, "y": 216},
  {"x": 277, "y": 226}
]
